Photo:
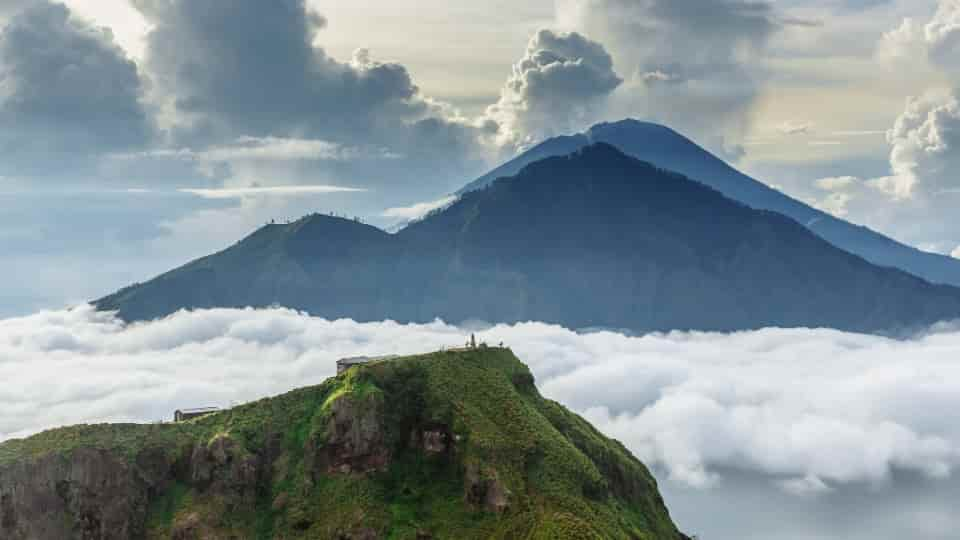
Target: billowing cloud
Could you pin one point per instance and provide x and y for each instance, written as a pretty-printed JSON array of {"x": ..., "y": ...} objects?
[
  {"x": 937, "y": 39},
  {"x": 250, "y": 71},
  {"x": 911, "y": 201},
  {"x": 12, "y": 7},
  {"x": 925, "y": 145},
  {"x": 250, "y": 68},
  {"x": 684, "y": 60},
  {"x": 553, "y": 89},
  {"x": 68, "y": 96}
]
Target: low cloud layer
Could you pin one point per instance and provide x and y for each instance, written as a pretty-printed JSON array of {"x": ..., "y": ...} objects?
[
  {"x": 811, "y": 409},
  {"x": 787, "y": 434}
]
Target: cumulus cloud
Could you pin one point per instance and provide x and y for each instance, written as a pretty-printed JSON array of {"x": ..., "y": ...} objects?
[
  {"x": 553, "y": 88},
  {"x": 251, "y": 71},
  {"x": 12, "y": 7},
  {"x": 811, "y": 409},
  {"x": 919, "y": 189},
  {"x": 250, "y": 67},
  {"x": 937, "y": 39},
  {"x": 909, "y": 203},
  {"x": 68, "y": 96},
  {"x": 707, "y": 50},
  {"x": 925, "y": 143}
]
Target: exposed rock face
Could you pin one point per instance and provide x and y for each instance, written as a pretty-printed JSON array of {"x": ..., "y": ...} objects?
[
  {"x": 432, "y": 440},
  {"x": 484, "y": 490},
  {"x": 223, "y": 468},
  {"x": 188, "y": 527},
  {"x": 93, "y": 494},
  {"x": 90, "y": 495},
  {"x": 355, "y": 439}
]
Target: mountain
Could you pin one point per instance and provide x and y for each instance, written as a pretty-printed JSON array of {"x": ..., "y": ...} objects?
[
  {"x": 593, "y": 239},
  {"x": 668, "y": 149},
  {"x": 454, "y": 444}
]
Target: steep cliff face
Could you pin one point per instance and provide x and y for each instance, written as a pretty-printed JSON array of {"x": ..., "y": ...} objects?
[
  {"x": 90, "y": 494},
  {"x": 447, "y": 445}
]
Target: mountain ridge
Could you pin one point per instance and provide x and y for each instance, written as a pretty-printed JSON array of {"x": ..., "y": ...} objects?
[
  {"x": 666, "y": 148},
  {"x": 593, "y": 239}
]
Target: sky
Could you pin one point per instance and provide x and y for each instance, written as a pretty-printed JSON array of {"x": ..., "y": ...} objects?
[
  {"x": 770, "y": 434},
  {"x": 136, "y": 135}
]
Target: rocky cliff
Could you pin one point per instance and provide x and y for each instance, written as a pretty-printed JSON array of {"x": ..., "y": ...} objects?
[{"x": 445, "y": 445}]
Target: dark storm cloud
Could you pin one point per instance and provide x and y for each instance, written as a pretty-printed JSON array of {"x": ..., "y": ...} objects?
[
  {"x": 224, "y": 71},
  {"x": 249, "y": 67},
  {"x": 726, "y": 19},
  {"x": 68, "y": 93}
]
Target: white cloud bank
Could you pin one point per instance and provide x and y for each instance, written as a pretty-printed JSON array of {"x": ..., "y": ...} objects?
[{"x": 811, "y": 409}]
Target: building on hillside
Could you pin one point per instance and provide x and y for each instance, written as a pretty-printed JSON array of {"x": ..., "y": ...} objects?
[
  {"x": 183, "y": 415},
  {"x": 346, "y": 363}
]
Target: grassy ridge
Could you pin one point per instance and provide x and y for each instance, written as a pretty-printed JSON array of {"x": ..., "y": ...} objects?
[{"x": 564, "y": 478}]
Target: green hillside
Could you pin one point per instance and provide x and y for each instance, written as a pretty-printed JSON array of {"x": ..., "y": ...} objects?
[{"x": 455, "y": 444}]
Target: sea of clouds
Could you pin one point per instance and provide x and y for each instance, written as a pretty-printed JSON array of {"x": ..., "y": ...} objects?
[{"x": 809, "y": 414}]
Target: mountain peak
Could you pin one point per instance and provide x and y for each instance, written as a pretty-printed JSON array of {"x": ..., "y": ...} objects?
[
  {"x": 667, "y": 149},
  {"x": 632, "y": 124},
  {"x": 598, "y": 151}
]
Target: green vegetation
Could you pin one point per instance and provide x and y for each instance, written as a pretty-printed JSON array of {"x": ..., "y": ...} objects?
[{"x": 349, "y": 457}]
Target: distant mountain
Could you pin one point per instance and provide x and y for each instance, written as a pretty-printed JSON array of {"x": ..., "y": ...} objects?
[
  {"x": 668, "y": 149},
  {"x": 593, "y": 239},
  {"x": 448, "y": 445}
]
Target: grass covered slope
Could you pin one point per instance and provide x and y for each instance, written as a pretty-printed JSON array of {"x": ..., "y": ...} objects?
[{"x": 443, "y": 445}]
